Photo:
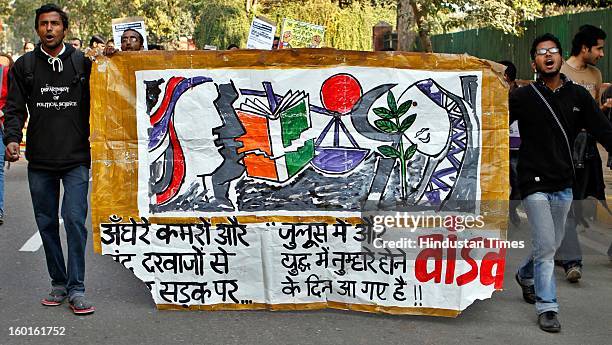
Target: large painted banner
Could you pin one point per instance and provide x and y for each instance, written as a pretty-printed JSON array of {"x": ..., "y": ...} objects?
[{"x": 302, "y": 179}]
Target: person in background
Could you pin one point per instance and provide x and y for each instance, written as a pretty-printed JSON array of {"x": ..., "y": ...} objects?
[
  {"x": 111, "y": 43},
  {"x": 97, "y": 42},
  {"x": 131, "y": 40},
  {"x": 515, "y": 144},
  {"x": 587, "y": 50},
  {"x": 76, "y": 43},
  {"x": 606, "y": 96},
  {"x": 275, "y": 42},
  {"x": 6, "y": 62},
  {"x": 233, "y": 47},
  {"x": 28, "y": 47}
]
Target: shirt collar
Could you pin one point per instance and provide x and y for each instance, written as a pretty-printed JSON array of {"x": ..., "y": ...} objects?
[
  {"x": 55, "y": 59},
  {"x": 58, "y": 55},
  {"x": 564, "y": 80}
]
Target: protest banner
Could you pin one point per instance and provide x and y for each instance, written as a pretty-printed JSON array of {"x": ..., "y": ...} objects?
[
  {"x": 119, "y": 25},
  {"x": 296, "y": 34},
  {"x": 261, "y": 35},
  {"x": 292, "y": 180}
]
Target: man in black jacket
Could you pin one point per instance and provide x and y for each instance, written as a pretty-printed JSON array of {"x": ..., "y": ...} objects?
[
  {"x": 53, "y": 83},
  {"x": 549, "y": 113}
]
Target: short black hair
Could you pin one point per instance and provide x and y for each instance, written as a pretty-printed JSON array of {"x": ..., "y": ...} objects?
[
  {"x": 51, "y": 8},
  {"x": 138, "y": 33},
  {"x": 96, "y": 39},
  {"x": 543, "y": 38},
  {"x": 510, "y": 69},
  {"x": 587, "y": 36},
  {"x": 76, "y": 39},
  {"x": 232, "y": 46}
]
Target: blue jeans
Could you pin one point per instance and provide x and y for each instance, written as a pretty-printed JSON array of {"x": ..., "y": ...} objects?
[
  {"x": 546, "y": 213},
  {"x": 45, "y": 192},
  {"x": 570, "y": 253}
]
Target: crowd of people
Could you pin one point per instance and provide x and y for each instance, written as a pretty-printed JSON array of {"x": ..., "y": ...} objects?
[{"x": 554, "y": 159}]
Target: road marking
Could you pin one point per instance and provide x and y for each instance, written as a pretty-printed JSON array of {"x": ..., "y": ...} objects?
[{"x": 35, "y": 242}]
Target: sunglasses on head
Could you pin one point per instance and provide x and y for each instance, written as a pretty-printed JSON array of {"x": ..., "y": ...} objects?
[{"x": 542, "y": 51}]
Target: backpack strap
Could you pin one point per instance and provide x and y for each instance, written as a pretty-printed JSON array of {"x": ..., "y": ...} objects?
[
  {"x": 78, "y": 63},
  {"x": 29, "y": 65}
]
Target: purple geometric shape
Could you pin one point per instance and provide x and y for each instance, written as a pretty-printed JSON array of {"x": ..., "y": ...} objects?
[
  {"x": 425, "y": 87},
  {"x": 433, "y": 197},
  {"x": 338, "y": 160}
]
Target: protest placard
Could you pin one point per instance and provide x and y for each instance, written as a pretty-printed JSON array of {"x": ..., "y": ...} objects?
[
  {"x": 261, "y": 35},
  {"x": 296, "y": 34}
]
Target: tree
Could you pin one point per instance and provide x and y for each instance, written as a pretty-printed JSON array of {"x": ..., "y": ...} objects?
[
  {"x": 556, "y": 7},
  {"x": 405, "y": 26},
  {"x": 222, "y": 23},
  {"x": 444, "y": 15},
  {"x": 346, "y": 27},
  {"x": 166, "y": 20}
]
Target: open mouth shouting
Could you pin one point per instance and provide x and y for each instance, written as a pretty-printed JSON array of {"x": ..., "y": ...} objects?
[{"x": 549, "y": 65}]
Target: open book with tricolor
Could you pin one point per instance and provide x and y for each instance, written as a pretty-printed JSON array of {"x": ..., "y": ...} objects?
[{"x": 272, "y": 131}]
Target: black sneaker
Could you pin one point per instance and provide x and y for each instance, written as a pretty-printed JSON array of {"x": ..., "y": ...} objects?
[
  {"x": 573, "y": 274},
  {"x": 528, "y": 291},
  {"x": 548, "y": 322}
]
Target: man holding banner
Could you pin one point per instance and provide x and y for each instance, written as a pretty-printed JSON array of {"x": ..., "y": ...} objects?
[{"x": 52, "y": 84}]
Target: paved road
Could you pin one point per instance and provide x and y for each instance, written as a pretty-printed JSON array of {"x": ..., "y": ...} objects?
[{"x": 127, "y": 315}]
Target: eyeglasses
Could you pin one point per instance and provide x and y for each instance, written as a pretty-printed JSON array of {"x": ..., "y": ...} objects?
[
  {"x": 552, "y": 50},
  {"x": 129, "y": 39}
]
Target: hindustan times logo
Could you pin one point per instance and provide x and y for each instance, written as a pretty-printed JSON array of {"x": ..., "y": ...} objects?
[
  {"x": 413, "y": 221},
  {"x": 447, "y": 243}
]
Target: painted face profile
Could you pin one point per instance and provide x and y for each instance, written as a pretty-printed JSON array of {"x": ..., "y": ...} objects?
[
  {"x": 197, "y": 121},
  {"x": 316, "y": 41},
  {"x": 431, "y": 128}
]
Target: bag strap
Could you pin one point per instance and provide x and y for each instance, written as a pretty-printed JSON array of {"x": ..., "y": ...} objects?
[
  {"x": 78, "y": 63},
  {"x": 29, "y": 64},
  {"x": 554, "y": 115}
]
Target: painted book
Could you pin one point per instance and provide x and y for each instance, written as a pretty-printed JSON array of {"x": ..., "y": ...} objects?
[{"x": 268, "y": 155}]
